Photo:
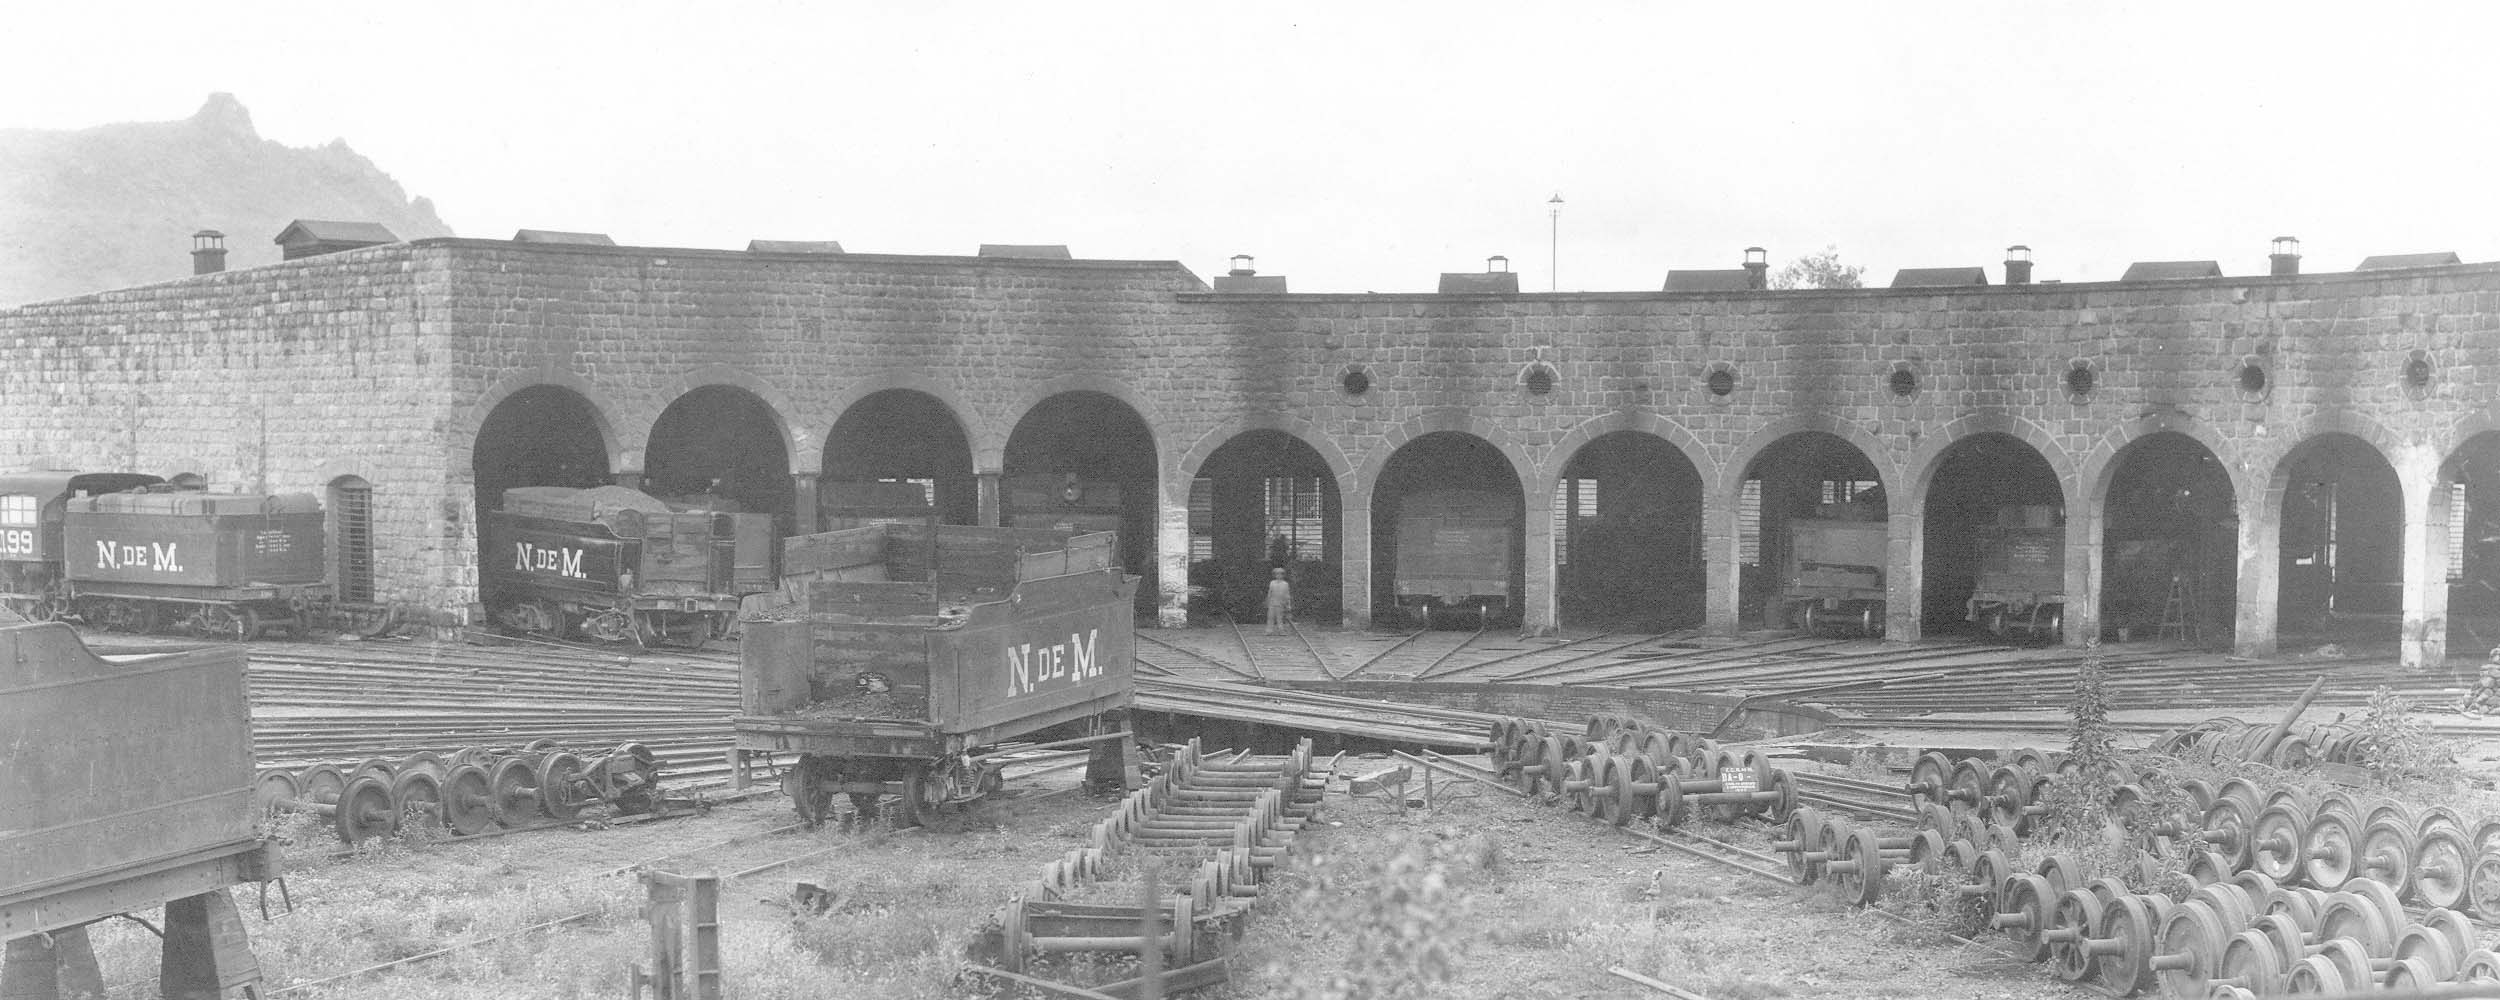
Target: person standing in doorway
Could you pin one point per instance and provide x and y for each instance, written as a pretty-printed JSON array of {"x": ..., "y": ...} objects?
[{"x": 1279, "y": 597}]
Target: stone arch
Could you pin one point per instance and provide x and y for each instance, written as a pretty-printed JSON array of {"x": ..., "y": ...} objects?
[
  {"x": 840, "y": 403},
  {"x": 623, "y": 452},
  {"x": 1674, "y": 434},
  {"x": 1732, "y": 474},
  {"x": 1290, "y": 424},
  {"x": 989, "y": 438},
  {"x": 1435, "y": 421},
  {"x": 797, "y": 444},
  {"x": 1920, "y": 469},
  {"x": 2098, "y": 465}
]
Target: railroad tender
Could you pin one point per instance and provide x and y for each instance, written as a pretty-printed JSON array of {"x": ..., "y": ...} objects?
[
  {"x": 1455, "y": 551},
  {"x": 125, "y": 784},
  {"x": 922, "y": 649},
  {"x": 620, "y": 565}
]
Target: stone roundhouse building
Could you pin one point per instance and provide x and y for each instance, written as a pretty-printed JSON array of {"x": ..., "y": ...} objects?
[{"x": 2231, "y": 457}]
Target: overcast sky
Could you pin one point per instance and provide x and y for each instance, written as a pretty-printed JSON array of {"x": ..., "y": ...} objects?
[{"x": 1358, "y": 147}]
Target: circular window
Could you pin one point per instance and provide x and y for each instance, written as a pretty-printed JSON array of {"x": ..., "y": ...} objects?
[
  {"x": 1903, "y": 382},
  {"x": 2252, "y": 379},
  {"x": 1356, "y": 382},
  {"x": 2081, "y": 380},
  {"x": 1721, "y": 381},
  {"x": 2418, "y": 373},
  {"x": 1538, "y": 378}
]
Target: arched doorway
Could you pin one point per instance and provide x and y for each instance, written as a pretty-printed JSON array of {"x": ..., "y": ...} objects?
[
  {"x": 2341, "y": 559},
  {"x": 1811, "y": 535},
  {"x": 1085, "y": 461},
  {"x": 1449, "y": 537},
  {"x": 1993, "y": 560},
  {"x": 2170, "y": 542},
  {"x": 1627, "y": 536},
  {"x": 544, "y": 435},
  {"x": 1264, "y": 500},
  {"x": 721, "y": 443},
  {"x": 2467, "y": 504},
  {"x": 897, "y": 454}
]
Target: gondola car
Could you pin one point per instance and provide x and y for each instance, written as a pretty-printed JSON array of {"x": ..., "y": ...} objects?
[
  {"x": 617, "y": 565},
  {"x": 923, "y": 649},
  {"x": 2022, "y": 573},
  {"x": 33, "y": 507},
  {"x": 223, "y": 565},
  {"x": 1455, "y": 553},
  {"x": 1836, "y": 569}
]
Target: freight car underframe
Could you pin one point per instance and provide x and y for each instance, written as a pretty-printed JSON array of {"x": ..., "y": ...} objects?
[
  {"x": 2034, "y": 614},
  {"x": 645, "y": 621},
  {"x": 206, "y": 612},
  {"x": 869, "y": 759}
]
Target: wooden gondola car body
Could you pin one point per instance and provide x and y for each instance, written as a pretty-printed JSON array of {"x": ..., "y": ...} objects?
[
  {"x": 1836, "y": 569},
  {"x": 922, "y": 645},
  {"x": 1456, "y": 550},
  {"x": 2021, "y": 584}
]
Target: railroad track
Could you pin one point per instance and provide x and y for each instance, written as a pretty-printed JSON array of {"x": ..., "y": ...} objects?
[
  {"x": 1414, "y": 654},
  {"x": 1287, "y": 656},
  {"x": 1863, "y": 798},
  {"x": 1315, "y": 712}
]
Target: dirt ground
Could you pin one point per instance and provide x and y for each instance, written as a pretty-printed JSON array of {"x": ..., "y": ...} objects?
[{"x": 1484, "y": 895}]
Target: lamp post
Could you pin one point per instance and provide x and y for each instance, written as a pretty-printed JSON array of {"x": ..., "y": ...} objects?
[{"x": 1553, "y": 251}]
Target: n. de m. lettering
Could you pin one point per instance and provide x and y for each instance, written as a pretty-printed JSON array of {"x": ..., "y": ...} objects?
[
  {"x": 1029, "y": 667},
  {"x": 564, "y": 562},
  {"x": 161, "y": 558}
]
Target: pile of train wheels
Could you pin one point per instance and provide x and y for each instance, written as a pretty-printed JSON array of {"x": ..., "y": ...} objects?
[
  {"x": 925, "y": 790},
  {"x": 2295, "y": 889},
  {"x": 1620, "y": 769},
  {"x": 472, "y": 791}
]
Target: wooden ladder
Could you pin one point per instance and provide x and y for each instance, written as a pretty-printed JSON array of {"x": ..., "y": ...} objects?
[{"x": 2174, "y": 611}]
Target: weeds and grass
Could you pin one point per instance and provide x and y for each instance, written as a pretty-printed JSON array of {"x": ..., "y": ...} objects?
[
  {"x": 2400, "y": 750},
  {"x": 1872, "y": 764}
]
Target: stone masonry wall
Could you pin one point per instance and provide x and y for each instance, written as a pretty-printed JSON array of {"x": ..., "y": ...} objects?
[{"x": 383, "y": 363}]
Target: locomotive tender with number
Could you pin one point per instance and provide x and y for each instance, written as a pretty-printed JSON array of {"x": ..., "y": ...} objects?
[
  {"x": 618, "y": 565},
  {"x": 126, "y": 552}
]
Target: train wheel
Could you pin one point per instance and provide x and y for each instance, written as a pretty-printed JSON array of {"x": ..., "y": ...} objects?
[
  {"x": 226, "y": 621},
  {"x": 468, "y": 800},
  {"x": 611, "y": 625},
  {"x": 1811, "y": 619},
  {"x": 364, "y": 812},
  {"x": 515, "y": 785},
  {"x": 808, "y": 797},
  {"x": 556, "y": 796},
  {"x": 1994, "y": 621},
  {"x": 2048, "y": 622},
  {"x": 924, "y": 794},
  {"x": 417, "y": 796}
]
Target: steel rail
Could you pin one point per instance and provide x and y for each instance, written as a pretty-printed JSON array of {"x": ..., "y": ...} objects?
[
  {"x": 1377, "y": 657},
  {"x": 1202, "y": 658}
]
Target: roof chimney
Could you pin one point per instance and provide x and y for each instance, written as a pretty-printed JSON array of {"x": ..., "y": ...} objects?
[
  {"x": 1757, "y": 268},
  {"x": 1241, "y": 266},
  {"x": 2018, "y": 265},
  {"x": 1497, "y": 279},
  {"x": 208, "y": 252},
  {"x": 2286, "y": 256}
]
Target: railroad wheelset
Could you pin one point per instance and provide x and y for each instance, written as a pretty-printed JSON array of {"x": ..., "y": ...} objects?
[{"x": 472, "y": 791}]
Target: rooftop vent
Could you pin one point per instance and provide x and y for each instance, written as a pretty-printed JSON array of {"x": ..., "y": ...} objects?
[
  {"x": 208, "y": 252},
  {"x": 1757, "y": 267},
  {"x": 559, "y": 236},
  {"x": 1937, "y": 277},
  {"x": 2394, "y": 261},
  {"x": 1031, "y": 251},
  {"x": 2171, "y": 270},
  {"x": 2285, "y": 258},
  {"x": 314, "y": 237},
  {"x": 794, "y": 246}
]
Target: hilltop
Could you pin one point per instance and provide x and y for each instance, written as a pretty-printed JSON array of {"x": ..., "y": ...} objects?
[{"x": 112, "y": 206}]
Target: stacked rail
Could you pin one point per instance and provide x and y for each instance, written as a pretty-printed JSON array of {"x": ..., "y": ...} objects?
[{"x": 1229, "y": 820}]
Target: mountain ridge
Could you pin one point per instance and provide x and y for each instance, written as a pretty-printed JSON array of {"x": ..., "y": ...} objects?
[{"x": 112, "y": 206}]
